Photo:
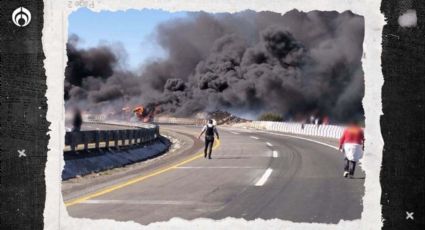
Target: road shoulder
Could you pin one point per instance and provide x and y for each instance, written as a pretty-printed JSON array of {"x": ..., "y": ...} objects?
[{"x": 183, "y": 145}]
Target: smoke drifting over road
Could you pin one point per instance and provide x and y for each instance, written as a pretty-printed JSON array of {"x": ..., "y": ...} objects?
[{"x": 246, "y": 63}]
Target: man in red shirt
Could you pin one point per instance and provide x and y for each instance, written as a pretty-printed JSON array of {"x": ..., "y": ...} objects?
[{"x": 352, "y": 144}]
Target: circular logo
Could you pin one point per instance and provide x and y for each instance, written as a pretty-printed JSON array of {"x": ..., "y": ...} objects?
[{"x": 21, "y": 17}]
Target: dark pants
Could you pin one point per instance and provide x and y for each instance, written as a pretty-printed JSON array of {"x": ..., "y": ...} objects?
[
  {"x": 347, "y": 167},
  {"x": 76, "y": 129},
  {"x": 209, "y": 142}
]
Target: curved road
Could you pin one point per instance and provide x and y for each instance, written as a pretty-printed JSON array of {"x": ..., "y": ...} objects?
[{"x": 252, "y": 175}]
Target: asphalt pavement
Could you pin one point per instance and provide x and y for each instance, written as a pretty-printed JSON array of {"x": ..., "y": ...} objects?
[{"x": 252, "y": 175}]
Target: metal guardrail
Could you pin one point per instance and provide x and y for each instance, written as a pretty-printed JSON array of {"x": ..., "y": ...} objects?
[{"x": 96, "y": 139}]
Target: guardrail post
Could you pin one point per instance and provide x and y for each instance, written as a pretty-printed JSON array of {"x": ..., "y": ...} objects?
[
  {"x": 73, "y": 141},
  {"x": 144, "y": 136},
  {"x": 116, "y": 137},
  {"x": 106, "y": 133},
  {"x": 86, "y": 141},
  {"x": 130, "y": 138},
  {"x": 123, "y": 137},
  {"x": 151, "y": 135},
  {"x": 96, "y": 139},
  {"x": 136, "y": 136}
]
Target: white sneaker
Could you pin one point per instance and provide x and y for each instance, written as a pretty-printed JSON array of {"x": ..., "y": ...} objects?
[{"x": 345, "y": 174}]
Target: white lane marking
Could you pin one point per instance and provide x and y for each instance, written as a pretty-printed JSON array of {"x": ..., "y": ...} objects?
[
  {"x": 302, "y": 138},
  {"x": 264, "y": 178},
  {"x": 234, "y": 133},
  {"x": 235, "y": 130},
  {"x": 215, "y": 167},
  {"x": 253, "y": 137},
  {"x": 275, "y": 154},
  {"x": 229, "y": 156},
  {"x": 269, "y": 144},
  {"x": 147, "y": 202}
]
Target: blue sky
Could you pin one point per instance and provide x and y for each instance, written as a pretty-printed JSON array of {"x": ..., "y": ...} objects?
[{"x": 131, "y": 28}]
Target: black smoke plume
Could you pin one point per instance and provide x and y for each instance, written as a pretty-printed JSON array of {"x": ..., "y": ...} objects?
[{"x": 296, "y": 64}]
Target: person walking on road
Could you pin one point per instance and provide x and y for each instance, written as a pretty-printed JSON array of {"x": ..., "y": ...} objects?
[
  {"x": 209, "y": 131},
  {"x": 351, "y": 144},
  {"x": 77, "y": 120}
]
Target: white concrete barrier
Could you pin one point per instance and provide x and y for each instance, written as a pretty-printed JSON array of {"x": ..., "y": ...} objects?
[
  {"x": 94, "y": 117},
  {"x": 179, "y": 121},
  {"x": 331, "y": 131}
]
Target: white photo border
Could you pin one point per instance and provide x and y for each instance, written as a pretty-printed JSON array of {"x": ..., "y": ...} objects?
[{"x": 55, "y": 34}]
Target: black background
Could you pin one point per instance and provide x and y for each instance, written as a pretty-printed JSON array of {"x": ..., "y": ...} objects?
[
  {"x": 22, "y": 118},
  {"x": 402, "y": 125},
  {"x": 23, "y": 122}
]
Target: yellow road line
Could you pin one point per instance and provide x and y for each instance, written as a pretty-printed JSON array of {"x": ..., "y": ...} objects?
[{"x": 135, "y": 180}]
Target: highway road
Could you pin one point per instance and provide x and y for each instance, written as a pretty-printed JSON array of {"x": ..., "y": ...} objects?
[{"x": 252, "y": 175}]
